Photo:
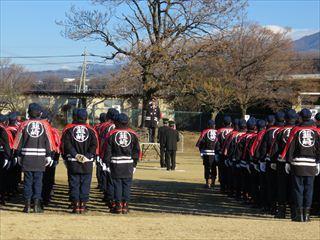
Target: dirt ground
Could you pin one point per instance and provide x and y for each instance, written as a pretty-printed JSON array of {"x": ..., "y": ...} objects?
[{"x": 165, "y": 205}]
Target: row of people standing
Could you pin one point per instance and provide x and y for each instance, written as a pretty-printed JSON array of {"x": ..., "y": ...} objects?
[
  {"x": 268, "y": 163},
  {"x": 37, "y": 146}
]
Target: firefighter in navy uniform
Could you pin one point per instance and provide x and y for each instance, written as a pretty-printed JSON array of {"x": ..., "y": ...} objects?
[
  {"x": 264, "y": 158},
  {"x": 15, "y": 171},
  {"x": 171, "y": 138},
  {"x": 160, "y": 138},
  {"x": 80, "y": 145},
  {"x": 302, "y": 153},
  {"x": 153, "y": 116},
  {"x": 106, "y": 180},
  {"x": 222, "y": 136},
  {"x": 49, "y": 174},
  {"x": 122, "y": 153},
  {"x": 207, "y": 145},
  {"x": 33, "y": 146},
  {"x": 316, "y": 192},
  {"x": 6, "y": 142},
  {"x": 283, "y": 179}
]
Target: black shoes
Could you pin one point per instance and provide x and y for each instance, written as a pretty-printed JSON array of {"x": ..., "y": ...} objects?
[
  {"x": 37, "y": 206},
  {"x": 306, "y": 214},
  {"x": 298, "y": 216},
  {"x": 27, "y": 207}
]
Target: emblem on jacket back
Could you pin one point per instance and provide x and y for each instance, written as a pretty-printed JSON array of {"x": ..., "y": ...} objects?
[
  {"x": 123, "y": 138},
  {"x": 80, "y": 133},
  {"x": 35, "y": 129},
  {"x": 306, "y": 138}
]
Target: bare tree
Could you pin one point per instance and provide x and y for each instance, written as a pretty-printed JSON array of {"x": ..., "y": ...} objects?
[
  {"x": 259, "y": 63},
  {"x": 151, "y": 33},
  {"x": 14, "y": 80}
]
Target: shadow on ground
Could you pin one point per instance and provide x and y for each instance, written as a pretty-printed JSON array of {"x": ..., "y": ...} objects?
[{"x": 155, "y": 197}]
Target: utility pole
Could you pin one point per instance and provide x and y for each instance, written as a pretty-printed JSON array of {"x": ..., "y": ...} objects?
[{"x": 82, "y": 85}]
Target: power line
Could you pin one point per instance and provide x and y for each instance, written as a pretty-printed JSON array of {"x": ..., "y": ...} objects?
[
  {"x": 57, "y": 63},
  {"x": 58, "y": 56}
]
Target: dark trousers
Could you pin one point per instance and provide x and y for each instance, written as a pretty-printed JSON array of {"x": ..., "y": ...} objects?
[
  {"x": 316, "y": 194},
  {"x": 263, "y": 190},
  {"x": 98, "y": 175},
  {"x": 283, "y": 185},
  {"x": 32, "y": 185},
  {"x": 162, "y": 159},
  {"x": 222, "y": 174},
  {"x": 210, "y": 167},
  {"x": 80, "y": 187},
  {"x": 245, "y": 181},
  {"x": 302, "y": 191},
  {"x": 109, "y": 187},
  {"x": 48, "y": 182},
  {"x": 170, "y": 159},
  {"x": 236, "y": 177},
  {"x": 103, "y": 181},
  {"x": 271, "y": 177},
  {"x": 122, "y": 189},
  {"x": 2, "y": 181},
  {"x": 254, "y": 185},
  {"x": 152, "y": 133}
]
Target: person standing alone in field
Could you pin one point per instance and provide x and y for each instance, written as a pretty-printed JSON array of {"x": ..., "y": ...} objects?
[
  {"x": 161, "y": 135},
  {"x": 171, "y": 138},
  {"x": 153, "y": 116}
]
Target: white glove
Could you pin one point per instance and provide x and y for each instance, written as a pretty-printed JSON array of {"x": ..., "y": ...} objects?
[
  {"x": 108, "y": 170},
  {"x": 248, "y": 168},
  {"x": 226, "y": 163},
  {"x": 287, "y": 168},
  {"x": 49, "y": 161},
  {"x": 256, "y": 167},
  {"x": 318, "y": 169},
  {"x": 273, "y": 166},
  {"x": 19, "y": 161},
  {"x": 134, "y": 170},
  {"x": 5, "y": 164},
  {"x": 263, "y": 167},
  {"x": 79, "y": 158},
  {"x": 104, "y": 167}
]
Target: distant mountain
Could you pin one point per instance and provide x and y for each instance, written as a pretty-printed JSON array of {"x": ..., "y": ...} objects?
[
  {"x": 93, "y": 70},
  {"x": 310, "y": 43}
]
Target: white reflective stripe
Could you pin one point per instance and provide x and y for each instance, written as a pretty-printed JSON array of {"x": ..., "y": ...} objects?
[
  {"x": 33, "y": 154},
  {"x": 281, "y": 160},
  {"x": 33, "y": 149},
  {"x": 208, "y": 151},
  {"x": 304, "y": 160},
  {"x": 75, "y": 160},
  {"x": 304, "y": 164},
  {"x": 243, "y": 162},
  {"x": 148, "y": 118},
  {"x": 208, "y": 154},
  {"x": 122, "y": 157},
  {"x": 121, "y": 161}
]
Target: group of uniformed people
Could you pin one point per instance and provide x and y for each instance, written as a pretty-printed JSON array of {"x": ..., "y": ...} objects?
[
  {"x": 269, "y": 164},
  {"x": 34, "y": 147}
]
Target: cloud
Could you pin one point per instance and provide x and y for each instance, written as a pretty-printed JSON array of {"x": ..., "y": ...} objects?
[{"x": 294, "y": 34}]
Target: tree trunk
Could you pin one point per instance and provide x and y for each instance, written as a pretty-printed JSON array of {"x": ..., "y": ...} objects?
[{"x": 243, "y": 110}]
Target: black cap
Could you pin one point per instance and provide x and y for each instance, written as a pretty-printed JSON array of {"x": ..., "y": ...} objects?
[
  {"x": 227, "y": 120},
  {"x": 3, "y": 118},
  {"x": 82, "y": 115},
  {"x": 261, "y": 123},
  {"x": 112, "y": 114},
  {"x": 34, "y": 110},
  {"x": 251, "y": 123},
  {"x": 317, "y": 117},
  {"x": 242, "y": 123},
  {"x": 171, "y": 123},
  {"x": 280, "y": 116},
  {"x": 305, "y": 114},
  {"x": 270, "y": 119},
  {"x": 122, "y": 118},
  {"x": 165, "y": 120},
  {"x": 102, "y": 117},
  {"x": 13, "y": 116},
  {"x": 291, "y": 115}
]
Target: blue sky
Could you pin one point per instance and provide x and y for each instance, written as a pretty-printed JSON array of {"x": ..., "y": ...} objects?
[{"x": 28, "y": 28}]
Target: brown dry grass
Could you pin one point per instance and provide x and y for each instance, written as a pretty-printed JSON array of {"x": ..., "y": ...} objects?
[{"x": 165, "y": 205}]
